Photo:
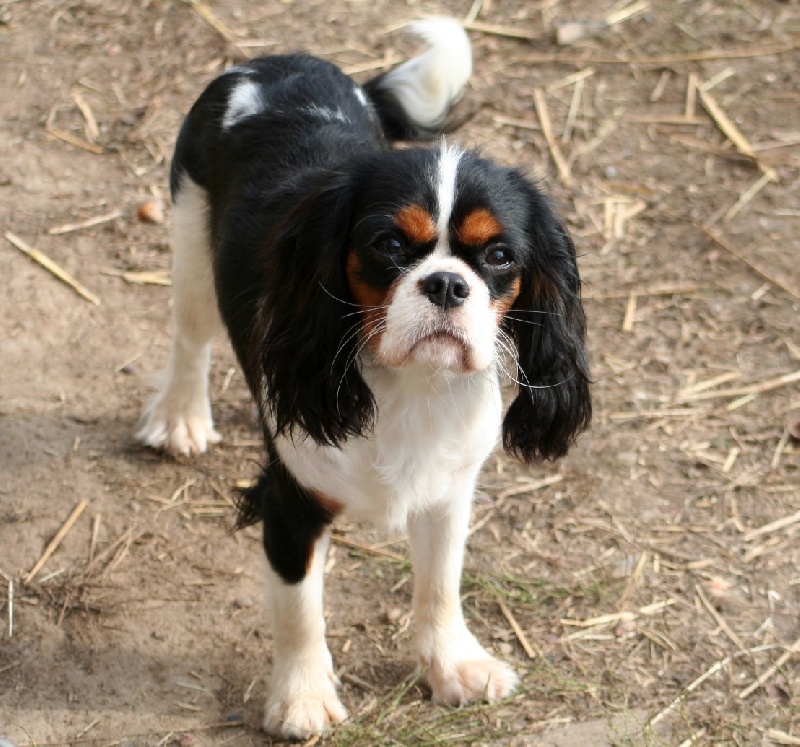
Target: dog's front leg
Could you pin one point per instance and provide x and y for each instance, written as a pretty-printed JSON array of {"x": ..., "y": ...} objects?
[
  {"x": 455, "y": 665},
  {"x": 302, "y": 696}
]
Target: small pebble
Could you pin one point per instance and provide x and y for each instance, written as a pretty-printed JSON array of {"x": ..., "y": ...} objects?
[
  {"x": 611, "y": 172},
  {"x": 243, "y": 601},
  {"x": 151, "y": 211},
  {"x": 186, "y": 740},
  {"x": 394, "y": 615}
]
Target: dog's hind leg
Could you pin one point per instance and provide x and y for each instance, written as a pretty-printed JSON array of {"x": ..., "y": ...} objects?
[{"x": 178, "y": 419}]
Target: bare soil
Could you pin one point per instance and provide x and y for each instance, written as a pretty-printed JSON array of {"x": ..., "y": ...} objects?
[{"x": 652, "y": 575}]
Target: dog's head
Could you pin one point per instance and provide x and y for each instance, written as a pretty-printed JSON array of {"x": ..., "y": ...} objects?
[{"x": 436, "y": 259}]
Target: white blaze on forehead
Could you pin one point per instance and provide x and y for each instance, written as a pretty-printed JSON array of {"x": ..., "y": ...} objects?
[
  {"x": 449, "y": 156},
  {"x": 245, "y": 101}
]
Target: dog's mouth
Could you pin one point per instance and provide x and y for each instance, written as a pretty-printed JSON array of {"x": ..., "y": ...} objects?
[{"x": 442, "y": 348}]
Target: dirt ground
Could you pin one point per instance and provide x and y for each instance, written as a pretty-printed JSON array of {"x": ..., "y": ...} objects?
[{"x": 646, "y": 587}]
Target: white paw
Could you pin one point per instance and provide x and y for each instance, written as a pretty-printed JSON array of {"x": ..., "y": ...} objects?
[
  {"x": 303, "y": 714},
  {"x": 457, "y": 683},
  {"x": 176, "y": 427}
]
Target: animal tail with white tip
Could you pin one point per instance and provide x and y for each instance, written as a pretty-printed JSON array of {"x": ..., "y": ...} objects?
[{"x": 414, "y": 99}]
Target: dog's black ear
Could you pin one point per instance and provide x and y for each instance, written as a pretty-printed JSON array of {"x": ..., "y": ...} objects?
[
  {"x": 308, "y": 352},
  {"x": 547, "y": 322}
]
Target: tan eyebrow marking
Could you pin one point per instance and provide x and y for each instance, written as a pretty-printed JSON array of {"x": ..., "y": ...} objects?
[
  {"x": 416, "y": 223},
  {"x": 478, "y": 227}
]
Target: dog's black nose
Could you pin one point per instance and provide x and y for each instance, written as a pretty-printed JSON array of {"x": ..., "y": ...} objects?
[{"x": 445, "y": 289}]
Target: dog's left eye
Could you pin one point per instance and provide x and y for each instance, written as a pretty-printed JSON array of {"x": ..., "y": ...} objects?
[{"x": 498, "y": 257}]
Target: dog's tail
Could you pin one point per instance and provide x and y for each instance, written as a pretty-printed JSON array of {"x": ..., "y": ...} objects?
[{"x": 414, "y": 99}]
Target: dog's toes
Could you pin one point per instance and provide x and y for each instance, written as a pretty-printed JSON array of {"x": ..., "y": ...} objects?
[
  {"x": 177, "y": 433},
  {"x": 303, "y": 715},
  {"x": 468, "y": 681}
]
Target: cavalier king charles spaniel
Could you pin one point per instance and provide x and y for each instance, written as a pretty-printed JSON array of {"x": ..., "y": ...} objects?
[{"x": 374, "y": 298}]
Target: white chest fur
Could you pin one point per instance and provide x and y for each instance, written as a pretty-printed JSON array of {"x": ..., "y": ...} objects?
[{"x": 433, "y": 431}]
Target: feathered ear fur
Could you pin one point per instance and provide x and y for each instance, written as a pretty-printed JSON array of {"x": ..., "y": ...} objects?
[
  {"x": 547, "y": 322},
  {"x": 307, "y": 351}
]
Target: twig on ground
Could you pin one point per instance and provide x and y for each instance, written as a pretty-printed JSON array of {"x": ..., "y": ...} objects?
[
  {"x": 768, "y": 276},
  {"x": 781, "y": 737},
  {"x": 773, "y": 526},
  {"x": 219, "y": 26},
  {"x": 694, "y": 684},
  {"x": 623, "y": 14},
  {"x": 661, "y": 60},
  {"x": 10, "y": 607},
  {"x": 719, "y": 619},
  {"x": 782, "y": 659},
  {"x": 366, "y": 548},
  {"x": 96, "y": 221},
  {"x": 572, "y": 114},
  {"x": 512, "y": 621},
  {"x": 779, "y": 449},
  {"x": 72, "y": 140},
  {"x": 547, "y": 129},
  {"x": 725, "y": 124},
  {"x": 92, "y": 130},
  {"x": 675, "y": 412},
  {"x": 523, "y": 124},
  {"x": 472, "y": 14},
  {"x": 690, "y": 107},
  {"x": 702, "y": 386},
  {"x": 95, "y": 533},
  {"x": 665, "y": 290},
  {"x": 603, "y": 131},
  {"x": 57, "y": 540},
  {"x": 570, "y": 79},
  {"x": 48, "y": 264},
  {"x": 365, "y": 67},
  {"x": 145, "y": 277},
  {"x": 592, "y": 622},
  {"x": 752, "y": 389},
  {"x": 630, "y": 313},
  {"x": 742, "y": 144},
  {"x": 658, "y": 91},
  {"x": 178, "y": 729},
  {"x": 529, "y": 487},
  {"x": 768, "y": 176},
  {"x": 494, "y": 29}
]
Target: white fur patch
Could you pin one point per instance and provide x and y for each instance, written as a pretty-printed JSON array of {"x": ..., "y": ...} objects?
[
  {"x": 428, "y": 85},
  {"x": 245, "y": 101},
  {"x": 302, "y": 696},
  {"x": 361, "y": 96},
  {"x": 446, "y": 179},
  {"x": 323, "y": 112},
  {"x": 178, "y": 418},
  {"x": 432, "y": 425}
]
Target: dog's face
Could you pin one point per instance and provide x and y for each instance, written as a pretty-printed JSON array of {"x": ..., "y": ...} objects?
[
  {"x": 434, "y": 271},
  {"x": 432, "y": 257}
]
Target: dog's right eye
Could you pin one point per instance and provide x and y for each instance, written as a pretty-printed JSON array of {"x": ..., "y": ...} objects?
[{"x": 390, "y": 247}]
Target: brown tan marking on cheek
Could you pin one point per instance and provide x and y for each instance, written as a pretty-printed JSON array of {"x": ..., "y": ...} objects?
[
  {"x": 478, "y": 227},
  {"x": 501, "y": 305},
  {"x": 373, "y": 302},
  {"x": 416, "y": 223}
]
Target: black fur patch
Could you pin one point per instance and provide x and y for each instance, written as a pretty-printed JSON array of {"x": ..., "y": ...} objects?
[{"x": 292, "y": 520}]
